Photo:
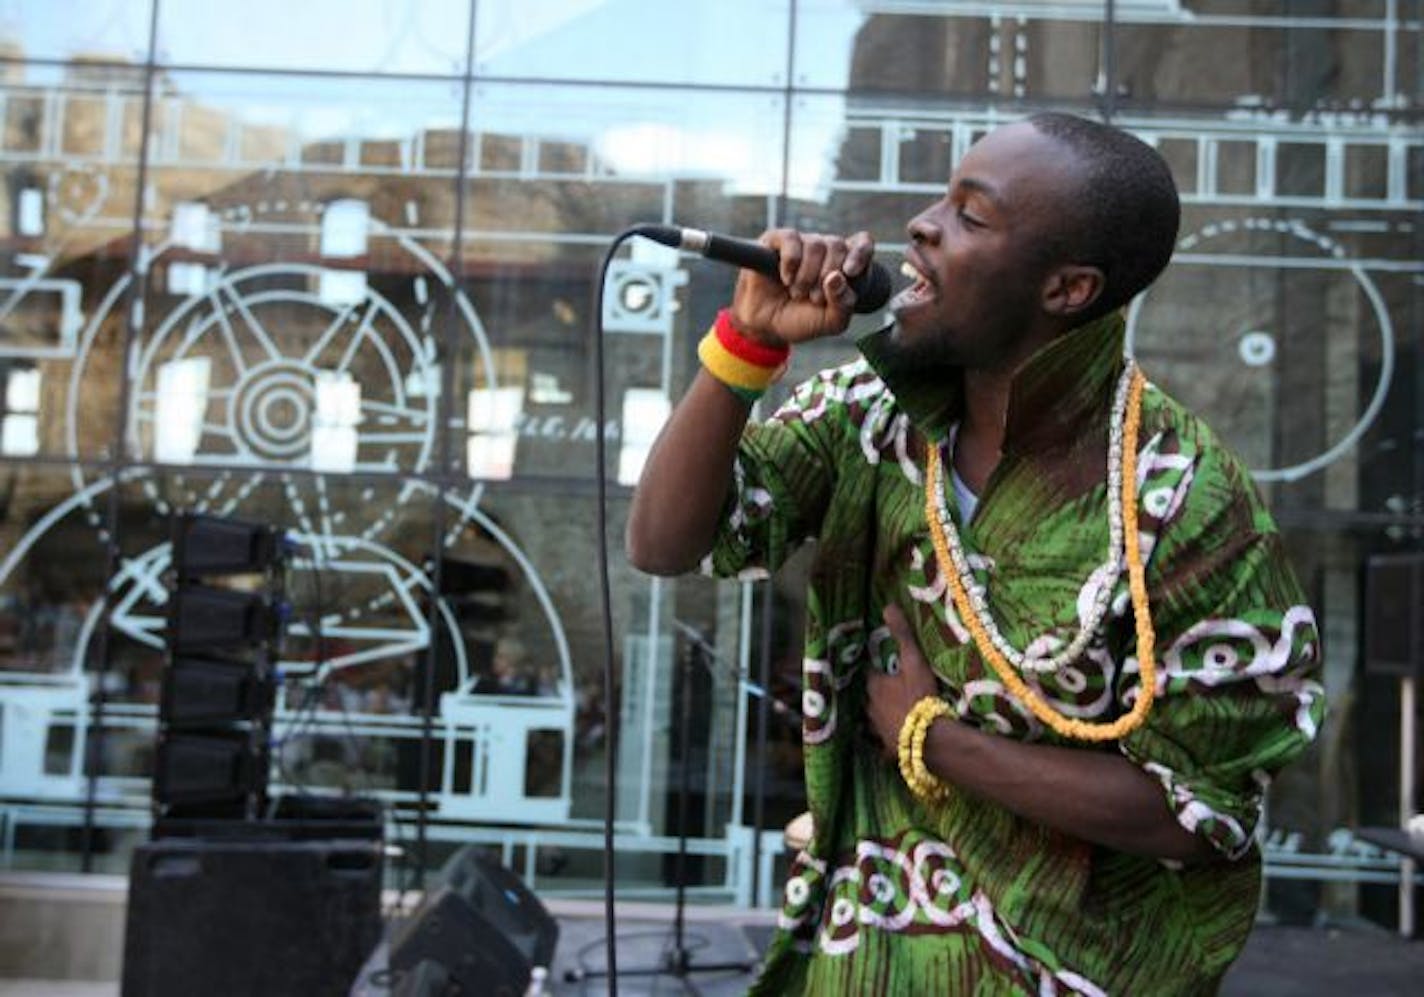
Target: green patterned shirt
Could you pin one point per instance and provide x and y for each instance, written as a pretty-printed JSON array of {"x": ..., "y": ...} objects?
[{"x": 895, "y": 896}]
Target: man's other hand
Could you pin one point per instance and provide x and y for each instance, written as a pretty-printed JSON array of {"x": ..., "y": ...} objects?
[{"x": 890, "y": 696}]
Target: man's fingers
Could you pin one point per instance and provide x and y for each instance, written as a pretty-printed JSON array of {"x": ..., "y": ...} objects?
[
  {"x": 788, "y": 246},
  {"x": 808, "y": 274},
  {"x": 859, "y": 250},
  {"x": 837, "y": 291},
  {"x": 810, "y": 296},
  {"x": 833, "y": 264},
  {"x": 899, "y": 626}
]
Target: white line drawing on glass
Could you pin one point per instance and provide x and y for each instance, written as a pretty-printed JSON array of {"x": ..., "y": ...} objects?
[
  {"x": 271, "y": 410},
  {"x": 68, "y": 318},
  {"x": 1255, "y": 347},
  {"x": 496, "y": 725},
  {"x": 255, "y": 385},
  {"x": 78, "y": 192},
  {"x": 258, "y": 398},
  {"x": 41, "y": 313}
]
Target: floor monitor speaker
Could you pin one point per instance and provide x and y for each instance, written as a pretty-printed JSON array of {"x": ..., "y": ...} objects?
[{"x": 481, "y": 925}]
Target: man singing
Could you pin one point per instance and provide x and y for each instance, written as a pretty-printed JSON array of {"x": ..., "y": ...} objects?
[{"x": 1054, "y": 651}]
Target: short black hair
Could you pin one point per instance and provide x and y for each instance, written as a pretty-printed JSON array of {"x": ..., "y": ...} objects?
[{"x": 1124, "y": 221}]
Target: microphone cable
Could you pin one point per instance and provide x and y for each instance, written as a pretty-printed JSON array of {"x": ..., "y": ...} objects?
[{"x": 610, "y": 714}]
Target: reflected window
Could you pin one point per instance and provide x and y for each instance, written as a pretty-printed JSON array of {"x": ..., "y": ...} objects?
[
  {"x": 341, "y": 287},
  {"x": 24, "y": 119},
  {"x": 1300, "y": 169},
  {"x": 179, "y": 409},
  {"x": 25, "y": 190},
  {"x": 187, "y": 279},
  {"x": 493, "y": 421},
  {"x": 1235, "y": 167},
  {"x": 29, "y": 212},
  {"x": 19, "y": 413},
  {"x": 338, "y": 411},
  {"x": 1181, "y": 156},
  {"x": 644, "y": 412},
  {"x": 344, "y": 227},
  {"x": 195, "y": 227}
]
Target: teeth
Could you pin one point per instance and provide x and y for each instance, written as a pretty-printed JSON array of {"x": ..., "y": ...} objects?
[{"x": 908, "y": 269}]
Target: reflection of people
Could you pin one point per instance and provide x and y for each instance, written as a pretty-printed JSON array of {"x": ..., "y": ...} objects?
[
  {"x": 1036, "y": 819},
  {"x": 509, "y": 671},
  {"x": 45, "y": 630}
]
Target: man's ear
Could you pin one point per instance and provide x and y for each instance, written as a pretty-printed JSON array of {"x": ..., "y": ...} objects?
[{"x": 1070, "y": 289}]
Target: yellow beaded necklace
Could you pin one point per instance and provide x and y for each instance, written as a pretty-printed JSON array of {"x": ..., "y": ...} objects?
[{"x": 1146, "y": 638}]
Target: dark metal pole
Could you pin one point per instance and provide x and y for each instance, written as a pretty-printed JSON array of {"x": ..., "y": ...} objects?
[
  {"x": 449, "y": 354},
  {"x": 94, "y": 746},
  {"x": 763, "y": 714},
  {"x": 680, "y": 961},
  {"x": 1108, "y": 103}
]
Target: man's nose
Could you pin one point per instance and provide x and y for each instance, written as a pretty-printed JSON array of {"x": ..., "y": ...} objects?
[{"x": 923, "y": 230}]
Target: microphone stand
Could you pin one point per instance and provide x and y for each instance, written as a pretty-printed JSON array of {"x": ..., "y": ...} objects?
[{"x": 678, "y": 962}]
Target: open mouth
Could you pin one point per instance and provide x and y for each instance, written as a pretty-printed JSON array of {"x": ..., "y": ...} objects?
[{"x": 917, "y": 293}]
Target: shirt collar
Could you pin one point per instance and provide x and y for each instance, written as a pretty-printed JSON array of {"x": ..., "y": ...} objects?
[{"x": 1062, "y": 391}]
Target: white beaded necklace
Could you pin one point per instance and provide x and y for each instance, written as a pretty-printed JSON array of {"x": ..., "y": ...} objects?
[{"x": 1111, "y": 569}]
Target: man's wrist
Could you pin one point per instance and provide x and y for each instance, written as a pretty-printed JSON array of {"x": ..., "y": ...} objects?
[
  {"x": 912, "y": 746},
  {"x": 947, "y": 738},
  {"x": 745, "y": 366},
  {"x": 750, "y": 333}
]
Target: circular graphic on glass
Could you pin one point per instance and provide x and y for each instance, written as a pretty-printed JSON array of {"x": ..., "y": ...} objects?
[
  {"x": 285, "y": 365},
  {"x": 1266, "y": 329}
]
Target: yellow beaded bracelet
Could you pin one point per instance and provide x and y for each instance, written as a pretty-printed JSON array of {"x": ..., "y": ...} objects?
[
  {"x": 913, "y": 731},
  {"x": 926, "y": 785}
]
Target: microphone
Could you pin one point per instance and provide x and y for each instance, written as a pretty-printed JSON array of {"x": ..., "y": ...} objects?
[{"x": 871, "y": 287}]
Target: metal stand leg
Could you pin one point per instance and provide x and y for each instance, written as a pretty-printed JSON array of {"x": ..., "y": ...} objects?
[
  {"x": 1406, "y": 801},
  {"x": 678, "y": 962}
]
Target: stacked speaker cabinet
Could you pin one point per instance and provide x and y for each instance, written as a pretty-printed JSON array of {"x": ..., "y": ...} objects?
[
  {"x": 238, "y": 894},
  {"x": 225, "y": 618}
]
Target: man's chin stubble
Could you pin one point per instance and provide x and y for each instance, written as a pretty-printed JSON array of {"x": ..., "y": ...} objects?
[{"x": 925, "y": 349}]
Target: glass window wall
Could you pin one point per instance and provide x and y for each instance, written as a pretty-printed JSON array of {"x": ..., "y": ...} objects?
[{"x": 333, "y": 266}]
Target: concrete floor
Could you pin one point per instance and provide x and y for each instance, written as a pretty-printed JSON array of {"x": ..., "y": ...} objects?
[
  {"x": 1278, "y": 962},
  {"x": 1286, "y": 962}
]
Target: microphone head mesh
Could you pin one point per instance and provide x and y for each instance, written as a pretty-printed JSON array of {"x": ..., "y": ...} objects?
[{"x": 872, "y": 289}]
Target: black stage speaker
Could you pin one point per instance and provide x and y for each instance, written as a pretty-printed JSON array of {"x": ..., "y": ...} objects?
[
  {"x": 217, "y": 768},
  {"x": 1394, "y": 615},
  {"x": 203, "y": 618},
  {"x": 481, "y": 925},
  {"x": 217, "y": 545},
  {"x": 213, "y": 692},
  {"x": 276, "y": 918}
]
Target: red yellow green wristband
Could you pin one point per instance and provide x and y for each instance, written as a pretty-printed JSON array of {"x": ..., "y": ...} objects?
[
  {"x": 747, "y": 368},
  {"x": 746, "y": 349}
]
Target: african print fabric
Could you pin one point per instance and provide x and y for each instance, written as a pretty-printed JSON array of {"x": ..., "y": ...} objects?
[{"x": 895, "y": 896}]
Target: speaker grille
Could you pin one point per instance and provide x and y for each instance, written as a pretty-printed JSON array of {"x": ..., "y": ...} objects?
[{"x": 1394, "y": 614}]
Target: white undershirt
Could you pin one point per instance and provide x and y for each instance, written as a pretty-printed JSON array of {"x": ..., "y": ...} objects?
[{"x": 965, "y": 498}]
